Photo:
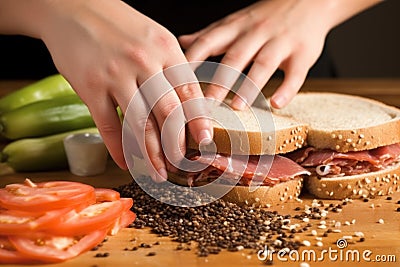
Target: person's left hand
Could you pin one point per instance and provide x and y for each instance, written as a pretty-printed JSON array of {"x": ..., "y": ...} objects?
[{"x": 272, "y": 34}]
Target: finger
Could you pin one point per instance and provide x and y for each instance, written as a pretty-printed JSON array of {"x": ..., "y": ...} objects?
[
  {"x": 265, "y": 64},
  {"x": 140, "y": 120},
  {"x": 238, "y": 56},
  {"x": 296, "y": 70},
  {"x": 212, "y": 43},
  {"x": 187, "y": 40},
  {"x": 108, "y": 123},
  {"x": 162, "y": 101},
  {"x": 195, "y": 108}
]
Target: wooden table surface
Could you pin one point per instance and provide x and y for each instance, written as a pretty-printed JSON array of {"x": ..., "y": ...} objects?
[{"x": 382, "y": 240}]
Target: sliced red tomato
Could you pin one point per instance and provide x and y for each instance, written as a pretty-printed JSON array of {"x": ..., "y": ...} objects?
[
  {"x": 21, "y": 222},
  {"x": 126, "y": 203},
  {"x": 126, "y": 219},
  {"x": 46, "y": 248},
  {"x": 105, "y": 194},
  {"x": 45, "y": 196},
  {"x": 9, "y": 255},
  {"x": 97, "y": 216}
]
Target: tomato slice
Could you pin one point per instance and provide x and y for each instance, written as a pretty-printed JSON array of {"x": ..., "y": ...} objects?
[
  {"x": 126, "y": 203},
  {"x": 126, "y": 219},
  {"x": 14, "y": 222},
  {"x": 47, "y": 248},
  {"x": 45, "y": 196},
  {"x": 97, "y": 216},
  {"x": 105, "y": 194},
  {"x": 9, "y": 255}
]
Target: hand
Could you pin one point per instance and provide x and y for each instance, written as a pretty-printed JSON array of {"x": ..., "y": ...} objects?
[
  {"x": 107, "y": 50},
  {"x": 271, "y": 34}
]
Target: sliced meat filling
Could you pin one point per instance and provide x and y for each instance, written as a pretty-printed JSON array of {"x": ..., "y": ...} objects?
[{"x": 330, "y": 163}]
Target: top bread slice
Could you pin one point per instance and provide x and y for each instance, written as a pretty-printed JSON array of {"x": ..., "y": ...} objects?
[
  {"x": 255, "y": 131},
  {"x": 344, "y": 122}
]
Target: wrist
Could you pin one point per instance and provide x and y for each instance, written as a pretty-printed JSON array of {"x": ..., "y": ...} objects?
[{"x": 338, "y": 11}]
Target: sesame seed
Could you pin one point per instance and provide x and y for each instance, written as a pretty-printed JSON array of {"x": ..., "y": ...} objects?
[
  {"x": 306, "y": 243},
  {"x": 340, "y": 137},
  {"x": 349, "y": 140},
  {"x": 322, "y": 226},
  {"x": 314, "y": 232},
  {"x": 304, "y": 264},
  {"x": 319, "y": 244},
  {"x": 381, "y": 221},
  {"x": 337, "y": 147},
  {"x": 347, "y": 237},
  {"x": 361, "y": 136},
  {"x": 359, "y": 234}
]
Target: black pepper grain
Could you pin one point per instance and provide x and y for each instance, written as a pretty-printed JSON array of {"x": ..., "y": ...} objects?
[
  {"x": 152, "y": 253},
  {"x": 389, "y": 198}
]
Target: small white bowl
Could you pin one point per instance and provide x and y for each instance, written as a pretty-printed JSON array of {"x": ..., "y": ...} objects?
[{"x": 86, "y": 153}]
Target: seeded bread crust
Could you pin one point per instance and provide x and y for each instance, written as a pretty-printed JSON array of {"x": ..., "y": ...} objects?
[
  {"x": 351, "y": 136},
  {"x": 256, "y": 132},
  {"x": 263, "y": 196},
  {"x": 369, "y": 185},
  {"x": 266, "y": 196}
]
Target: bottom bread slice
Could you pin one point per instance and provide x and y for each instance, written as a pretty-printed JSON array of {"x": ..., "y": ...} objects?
[
  {"x": 262, "y": 196},
  {"x": 367, "y": 185}
]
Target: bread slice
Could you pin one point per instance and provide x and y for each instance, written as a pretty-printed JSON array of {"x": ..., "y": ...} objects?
[
  {"x": 368, "y": 185},
  {"x": 253, "y": 132},
  {"x": 263, "y": 196},
  {"x": 344, "y": 122}
]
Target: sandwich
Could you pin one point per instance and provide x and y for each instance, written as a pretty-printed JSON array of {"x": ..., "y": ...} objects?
[
  {"x": 246, "y": 160},
  {"x": 353, "y": 145}
]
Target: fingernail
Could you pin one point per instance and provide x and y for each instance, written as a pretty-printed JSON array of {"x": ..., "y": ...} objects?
[
  {"x": 239, "y": 103},
  {"x": 278, "y": 101},
  {"x": 160, "y": 176},
  {"x": 204, "y": 137}
]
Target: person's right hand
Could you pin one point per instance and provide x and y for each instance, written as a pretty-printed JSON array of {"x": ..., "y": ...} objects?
[{"x": 107, "y": 50}]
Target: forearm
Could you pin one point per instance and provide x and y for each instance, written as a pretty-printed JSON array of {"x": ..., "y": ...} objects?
[{"x": 25, "y": 17}]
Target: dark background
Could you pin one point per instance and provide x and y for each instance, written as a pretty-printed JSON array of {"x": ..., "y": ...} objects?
[{"x": 368, "y": 45}]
